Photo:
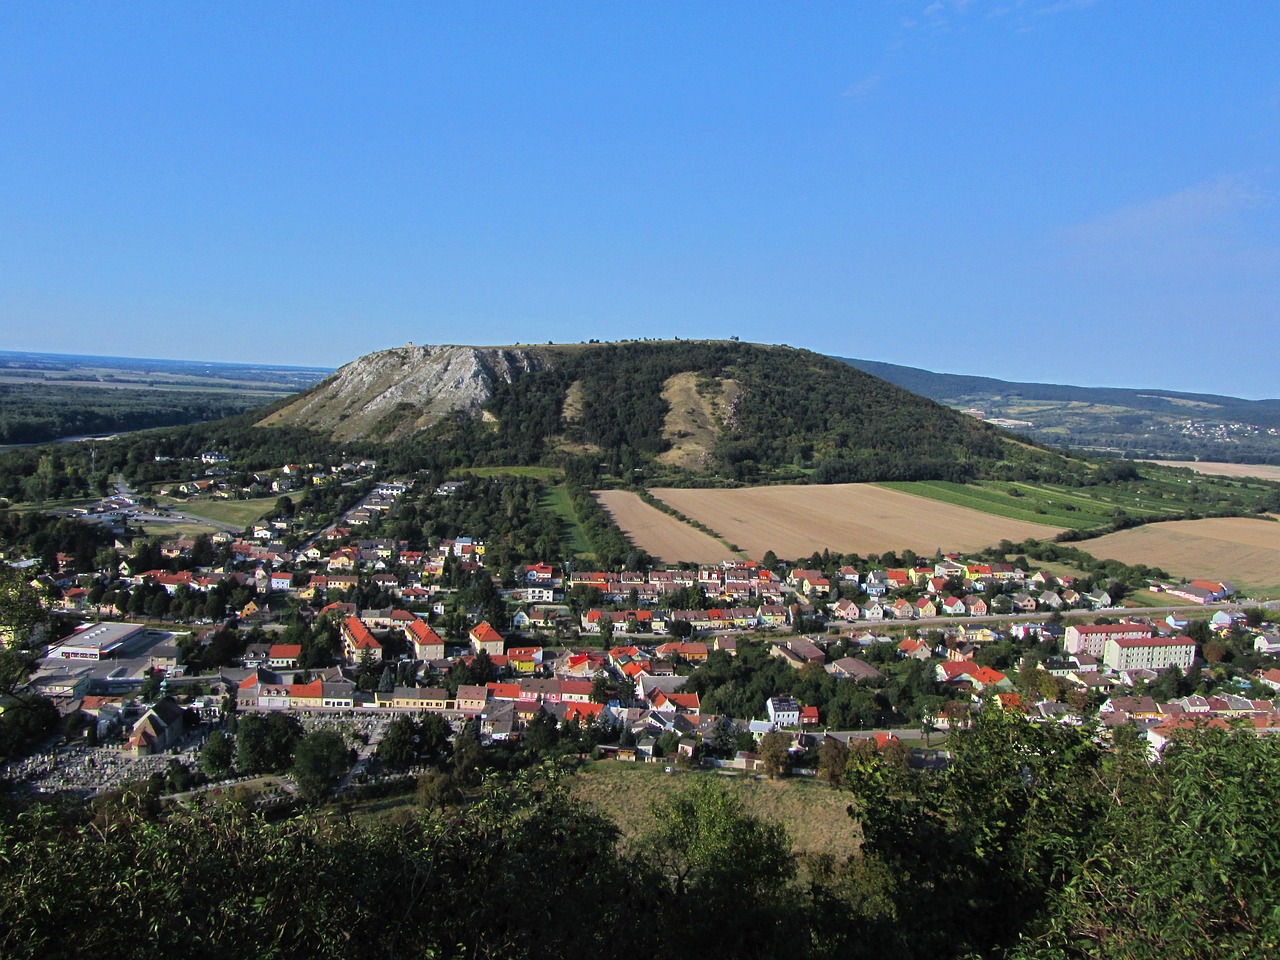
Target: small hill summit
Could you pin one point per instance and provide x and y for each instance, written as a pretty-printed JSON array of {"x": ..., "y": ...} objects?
[{"x": 738, "y": 411}]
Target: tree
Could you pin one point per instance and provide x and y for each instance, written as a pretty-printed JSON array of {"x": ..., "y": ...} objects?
[
  {"x": 265, "y": 743},
  {"x": 436, "y": 790},
  {"x": 541, "y": 734},
  {"x": 773, "y": 753},
  {"x": 387, "y": 682},
  {"x": 1182, "y": 867},
  {"x": 150, "y": 688},
  {"x": 601, "y": 689},
  {"x": 833, "y": 756},
  {"x": 27, "y": 716},
  {"x": 399, "y": 745},
  {"x": 433, "y": 738},
  {"x": 467, "y": 754},
  {"x": 721, "y": 861},
  {"x": 217, "y": 755},
  {"x": 321, "y": 756}
]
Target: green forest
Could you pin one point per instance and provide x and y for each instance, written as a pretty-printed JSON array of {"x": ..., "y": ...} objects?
[{"x": 38, "y": 413}]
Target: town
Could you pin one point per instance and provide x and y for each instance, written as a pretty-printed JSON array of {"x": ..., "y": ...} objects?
[{"x": 166, "y": 642}]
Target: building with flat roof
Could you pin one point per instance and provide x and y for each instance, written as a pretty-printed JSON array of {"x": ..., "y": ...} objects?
[{"x": 100, "y": 641}]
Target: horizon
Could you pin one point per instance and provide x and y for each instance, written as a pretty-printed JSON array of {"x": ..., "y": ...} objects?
[{"x": 951, "y": 185}]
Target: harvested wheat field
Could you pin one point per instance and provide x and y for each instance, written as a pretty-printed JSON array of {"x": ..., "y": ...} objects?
[
  {"x": 1243, "y": 550},
  {"x": 794, "y": 521},
  {"x": 1260, "y": 471},
  {"x": 661, "y": 536}
]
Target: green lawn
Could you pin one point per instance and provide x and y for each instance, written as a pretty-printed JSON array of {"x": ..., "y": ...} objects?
[
  {"x": 239, "y": 512},
  {"x": 556, "y": 499}
]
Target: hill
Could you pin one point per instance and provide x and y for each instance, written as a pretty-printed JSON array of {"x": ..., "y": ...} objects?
[
  {"x": 674, "y": 409},
  {"x": 1147, "y": 422}
]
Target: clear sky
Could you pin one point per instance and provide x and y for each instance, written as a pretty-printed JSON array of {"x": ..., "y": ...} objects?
[{"x": 1081, "y": 192}]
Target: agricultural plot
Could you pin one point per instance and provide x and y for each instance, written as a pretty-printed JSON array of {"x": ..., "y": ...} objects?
[
  {"x": 661, "y": 536},
  {"x": 1031, "y": 504},
  {"x": 1261, "y": 471},
  {"x": 794, "y": 521},
  {"x": 1243, "y": 550}
]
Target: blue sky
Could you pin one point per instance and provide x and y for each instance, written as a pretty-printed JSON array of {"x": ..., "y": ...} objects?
[{"x": 1049, "y": 190}]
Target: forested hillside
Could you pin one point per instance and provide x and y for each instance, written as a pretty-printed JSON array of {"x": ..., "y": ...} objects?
[
  {"x": 791, "y": 414},
  {"x": 1144, "y": 422}
]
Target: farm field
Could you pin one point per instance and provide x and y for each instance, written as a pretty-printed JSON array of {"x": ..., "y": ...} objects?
[
  {"x": 813, "y": 813},
  {"x": 795, "y": 521},
  {"x": 1261, "y": 471},
  {"x": 662, "y": 536},
  {"x": 1243, "y": 550}
]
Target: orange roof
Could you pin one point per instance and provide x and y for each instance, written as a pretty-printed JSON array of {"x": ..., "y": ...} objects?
[
  {"x": 422, "y": 633},
  {"x": 313, "y": 689},
  {"x": 583, "y": 711},
  {"x": 285, "y": 651},
  {"x": 361, "y": 638},
  {"x": 504, "y": 691},
  {"x": 483, "y": 633}
]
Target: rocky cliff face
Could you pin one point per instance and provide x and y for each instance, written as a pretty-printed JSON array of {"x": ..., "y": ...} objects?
[{"x": 395, "y": 393}]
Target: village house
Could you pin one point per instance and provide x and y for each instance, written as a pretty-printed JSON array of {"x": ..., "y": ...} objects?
[{"x": 484, "y": 638}]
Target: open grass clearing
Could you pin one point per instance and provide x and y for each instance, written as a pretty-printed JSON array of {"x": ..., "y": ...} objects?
[
  {"x": 239, "y": 512},
  {"x": 557, "y": 500},
  {"x": 813, "y": 814},
  {"x": 864, "y": 518},
  {"x": 658, "y": 534},
  {"x": 1242, "y": 550}
]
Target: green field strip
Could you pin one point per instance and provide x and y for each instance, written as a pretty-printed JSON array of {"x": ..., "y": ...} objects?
[
  {"x": 556, "y": 499},
  {"x": 960, "y": 495},
  {"x": 537, "y": 473}
]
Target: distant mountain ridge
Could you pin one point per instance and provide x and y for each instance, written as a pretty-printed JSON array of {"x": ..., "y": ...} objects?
[{"x": 1146, "y": 422}]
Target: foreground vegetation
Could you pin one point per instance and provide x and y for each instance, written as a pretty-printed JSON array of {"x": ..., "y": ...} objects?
[{"x": 1036, "y": 842}]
